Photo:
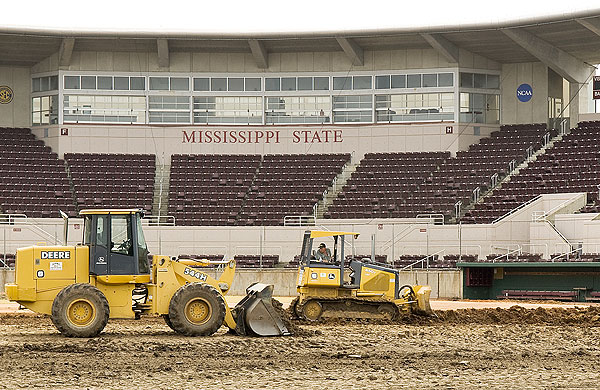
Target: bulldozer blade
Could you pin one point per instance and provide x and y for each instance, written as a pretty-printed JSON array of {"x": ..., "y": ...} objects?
[
  {"x": 255, "y": 316},
  {"x": 422, "y": 296}
]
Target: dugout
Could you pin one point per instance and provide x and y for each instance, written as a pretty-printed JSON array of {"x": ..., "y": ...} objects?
[{"x": 569, "y": 281}]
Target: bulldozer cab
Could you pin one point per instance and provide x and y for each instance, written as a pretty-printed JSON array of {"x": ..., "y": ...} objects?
[
  {"x": 335, "y": 248},
  {"x": 116, "y": 242}
]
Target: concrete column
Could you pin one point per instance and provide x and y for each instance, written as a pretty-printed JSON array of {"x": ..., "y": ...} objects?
[{"x": 580, "y": 101}]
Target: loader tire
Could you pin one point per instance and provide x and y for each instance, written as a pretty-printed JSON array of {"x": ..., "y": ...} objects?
[
  {"x": 168, "y": 321},
  {"x": 197, "y": 309},
  {"x": 80, "y": 310}
]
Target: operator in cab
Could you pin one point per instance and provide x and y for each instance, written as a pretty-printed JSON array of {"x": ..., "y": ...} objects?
[{"x": 323, "y": 254}]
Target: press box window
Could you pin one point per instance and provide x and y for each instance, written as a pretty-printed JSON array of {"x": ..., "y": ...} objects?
[
  {"x": 88, "y": 82},
  {"x": 252, "y": 84},
  {"x": 413, "y": 81},
  {"x": 272, "y": 84},
  {"x": 180, "y": 84},
  {"x": 288, "y": 83},
  {"x": 218, "y": 84},
  {"x": 235, "y": 84},
  {"x": 362, "y": 82},
  {"x": 105, "y": 82},
  {"x": 321, "y": 83},
  {"x": 382, "y": 82},
  {"x": 137, "y": 83},
  {"x": 159, "y": 83},
  {"x": 122, "y": 83},
  {"x": 305, "y": 83},
  {"x": 72, "y": 82},
  {"x": 342, "y": 83},
  {"x": 202, "y": 84},
  {"x": 399, "y": 81}
]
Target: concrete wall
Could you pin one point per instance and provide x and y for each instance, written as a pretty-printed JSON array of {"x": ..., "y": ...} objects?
[
  {"x": 393, "y": 237},
  {"x": 17, "y": 113},
  {"x": 278, "y": 62},
  {"x": 359, "y": 139},
  {"x": 536, "y": 109},
  {"x": 444, "y": 284}
]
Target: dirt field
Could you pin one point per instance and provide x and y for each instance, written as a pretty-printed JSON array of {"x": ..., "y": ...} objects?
[{"x": 485, "y": 348}]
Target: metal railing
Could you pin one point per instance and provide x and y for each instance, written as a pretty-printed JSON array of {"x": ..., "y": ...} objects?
[
  {"x": 436, "y": 218},
  {"x": 424, "y": 261},
  {"x": 299, "y": 220},
  {"x": 519, "y": 207},
  {"x": 494, "y": 180},
  {"x": 158, "y": 220}
]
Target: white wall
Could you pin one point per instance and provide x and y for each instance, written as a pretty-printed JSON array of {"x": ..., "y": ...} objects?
[
  {"x": 278, "y": 62},
  {"x": 393, "y": 237},
  {"x": 18, "y": 112},
  {"x": 536, "y": 109},
  {"x": 169, "y": 140}
]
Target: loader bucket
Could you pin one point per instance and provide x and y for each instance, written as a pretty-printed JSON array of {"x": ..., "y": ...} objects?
[{"x": 255, "y": 315}]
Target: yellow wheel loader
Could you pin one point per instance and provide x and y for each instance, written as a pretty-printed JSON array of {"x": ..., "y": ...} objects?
[
  {"x": 109, "y": 276},
  {"x": 371, "y": 290}
]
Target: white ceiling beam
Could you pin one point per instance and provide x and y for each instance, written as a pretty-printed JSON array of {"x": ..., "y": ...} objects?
[
  {"x": 163, "y": 52},
  {"x": 66, "y": 51},
  {"x": 563, "y": 63},
  {"x": 259, "y": 52},
  {"x": 443, "y": 46},
  {"x": 592, "y": 25},
  {"x": 354, "y": 52}
]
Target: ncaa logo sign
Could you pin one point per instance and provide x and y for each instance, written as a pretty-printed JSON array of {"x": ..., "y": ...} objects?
[{"x": 524, "y": 92}]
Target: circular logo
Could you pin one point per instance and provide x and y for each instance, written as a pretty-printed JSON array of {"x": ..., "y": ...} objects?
[
  {"x": 524, "y": 92},
  {"x": 40, "y": 273},
  {"x": 6, "y": 94}
]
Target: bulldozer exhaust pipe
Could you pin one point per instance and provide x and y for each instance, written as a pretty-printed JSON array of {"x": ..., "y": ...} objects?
[{"x": 255, "y": 315}]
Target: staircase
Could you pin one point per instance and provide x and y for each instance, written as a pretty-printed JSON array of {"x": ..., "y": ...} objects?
[
  {"x": 333, "y": 190},
  {"x": 512, "y": 173},
  {"x": 160, "y": 200}
]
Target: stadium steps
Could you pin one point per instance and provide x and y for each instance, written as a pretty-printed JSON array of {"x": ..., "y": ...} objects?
[
  {"x": 238, "y": 218},
  {"x": 160, "y": 199},
  {"x": 508, "y": 177},
  {"x": 334, "y": 190}
]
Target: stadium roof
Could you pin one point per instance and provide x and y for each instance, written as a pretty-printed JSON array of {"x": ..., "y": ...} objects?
[{"x": 576, "y": 34}]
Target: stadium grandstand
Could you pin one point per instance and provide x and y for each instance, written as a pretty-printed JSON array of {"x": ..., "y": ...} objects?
[{"x": 445, "y": 147}]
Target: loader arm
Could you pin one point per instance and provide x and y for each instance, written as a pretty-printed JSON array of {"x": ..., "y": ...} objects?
[{"x": 172, "y": 274}]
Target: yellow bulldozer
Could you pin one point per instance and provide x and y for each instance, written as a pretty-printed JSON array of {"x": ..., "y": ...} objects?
[
  {"x": 370, "y": 290},
  {"x": 108, "y": 275}
]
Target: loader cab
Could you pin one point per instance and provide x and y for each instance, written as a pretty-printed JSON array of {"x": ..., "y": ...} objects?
[{"x": 116, "y": 242}]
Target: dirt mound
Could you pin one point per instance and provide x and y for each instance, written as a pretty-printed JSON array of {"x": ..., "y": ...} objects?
[
  {"x": 292, "y": 326},
  {"x": 588, "y": 316}
]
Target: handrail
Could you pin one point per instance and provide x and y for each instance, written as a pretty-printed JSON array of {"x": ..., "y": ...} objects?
[
  {"x": 522, "y": 205},
  {"x": 392, "y": 241},
  {"x": 545, "y": 214},
  {"x": 494, "y": 179},
  {"x": 435, "y": 217},
  {"x": 552, "y": 259},
  {"x": 518, "y": 251},
  {"x": 464, "y": 247},
  {"x": 160, "y": 190},
  {"x": 299, "y": 220},
  {"x": 159, "y": 220},
  {"x": 426, "y": 258}
]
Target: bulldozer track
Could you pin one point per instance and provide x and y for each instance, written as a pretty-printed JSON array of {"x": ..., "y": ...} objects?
[{"x": 350, "y": 308}]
